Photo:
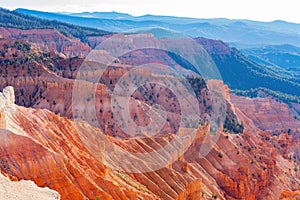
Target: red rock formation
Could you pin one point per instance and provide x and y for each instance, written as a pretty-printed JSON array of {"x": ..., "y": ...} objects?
[
  {"x": 193, "y": 191},
  {"x": 48, "y": 40},
  {"x": 94, "y": 41},
  {"x": 267, "y": 114},
  {"x": 289, "y": 195},
  {"x": 214, "y": 46}
]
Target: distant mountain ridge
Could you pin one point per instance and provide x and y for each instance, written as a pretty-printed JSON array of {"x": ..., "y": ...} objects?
[
  {"x": 103, "y": 15},
  {"x": 240, "y": 33}
]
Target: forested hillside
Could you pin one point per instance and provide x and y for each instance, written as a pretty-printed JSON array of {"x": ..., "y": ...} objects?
[{"x": 14, "y": 19}]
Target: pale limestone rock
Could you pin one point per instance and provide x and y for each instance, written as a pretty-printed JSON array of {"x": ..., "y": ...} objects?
[
  {"x": 7, "y": 101},
  {"x": 25, "y": 190},
  {"x": 7, "y": 98},
  {"x": 9, "y": 95}
]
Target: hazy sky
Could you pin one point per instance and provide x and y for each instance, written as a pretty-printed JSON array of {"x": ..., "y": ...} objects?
[{"x": 262, "y": 10}]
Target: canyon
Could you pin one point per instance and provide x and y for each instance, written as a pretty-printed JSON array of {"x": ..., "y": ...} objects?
[{"x": 41, "y": 141}]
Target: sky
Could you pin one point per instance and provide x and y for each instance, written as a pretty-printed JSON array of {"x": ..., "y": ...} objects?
[{"x": 260, "y": 10}]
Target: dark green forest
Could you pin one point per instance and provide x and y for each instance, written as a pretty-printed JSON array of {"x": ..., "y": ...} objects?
[{"x": 13, "y": 19}]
